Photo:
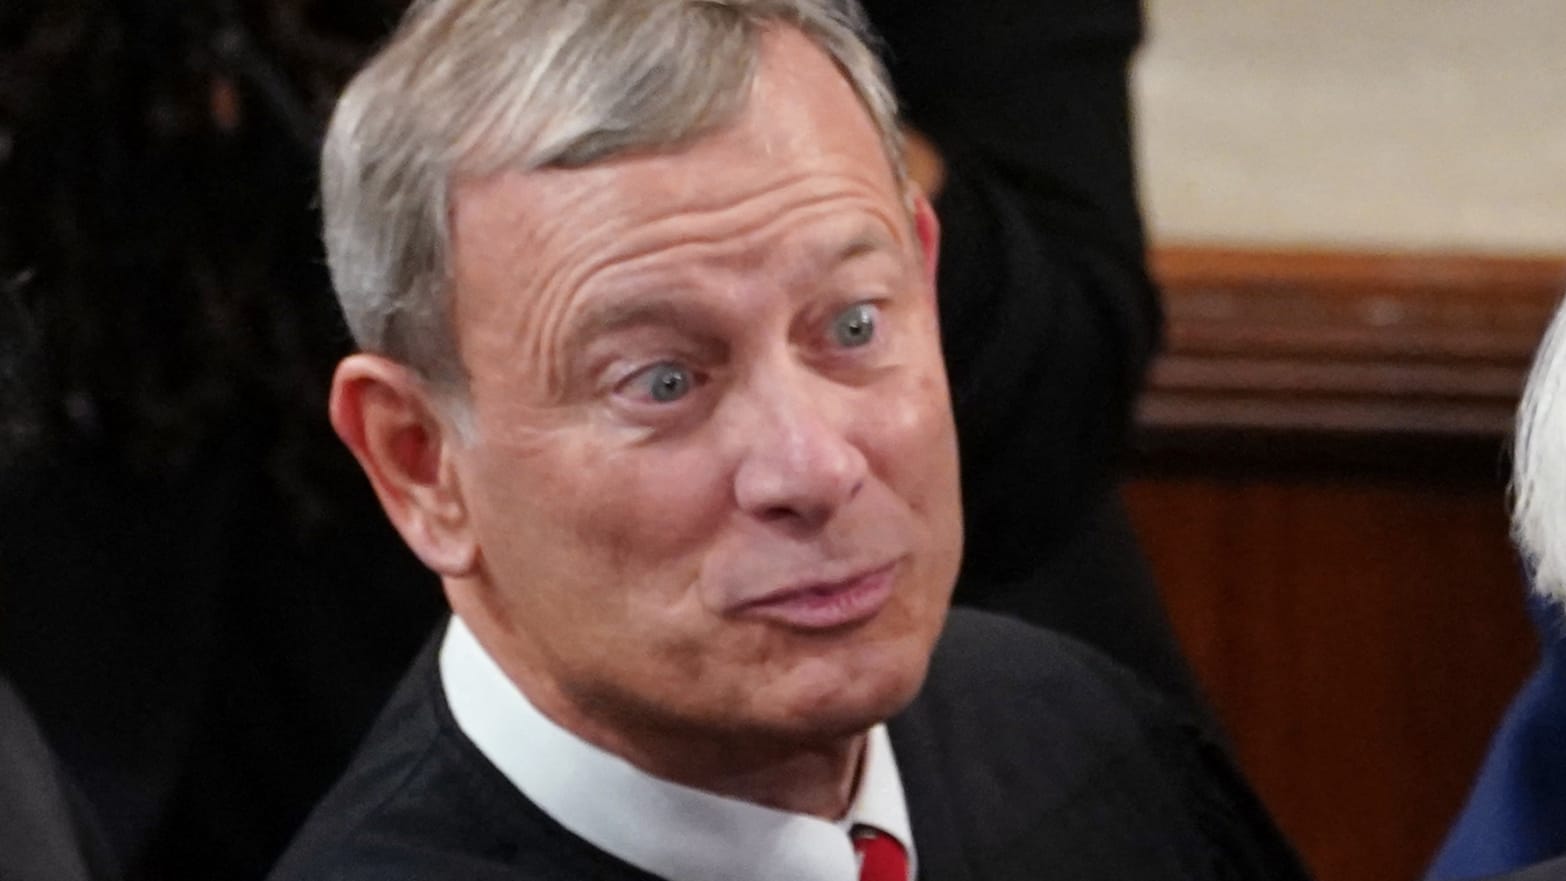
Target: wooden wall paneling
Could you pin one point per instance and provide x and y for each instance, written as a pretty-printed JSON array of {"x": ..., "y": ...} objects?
[
  {"x": 1308, "y": 347},
  {"x": 1320, "y": 489},
  {"x": 1358, "y": 640}
]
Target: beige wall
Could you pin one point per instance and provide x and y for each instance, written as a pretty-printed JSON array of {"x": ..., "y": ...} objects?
[{"x": 1403, "y": 124}]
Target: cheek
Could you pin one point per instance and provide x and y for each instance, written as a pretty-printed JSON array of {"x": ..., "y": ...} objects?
[
  {"x": 629, "y": 522},
  {"x": 918, "y": 414},
  {"x": 917, "y": 459},
  {"x": 917, "y": 440}
]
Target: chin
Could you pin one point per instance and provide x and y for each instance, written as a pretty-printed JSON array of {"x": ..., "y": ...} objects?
[{"x": 851, "y": 698}]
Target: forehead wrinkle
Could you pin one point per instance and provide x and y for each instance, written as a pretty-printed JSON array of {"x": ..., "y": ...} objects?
[
  {"x": 876, "y": 232},
  {"x": 584, "y": 263},
  {"x": 655, "y": 301},
  {"x": 557, "y": 291},
  {"x": 682, "y": 188},
  {"x": 534, "y": 315},
  {"x": 561, "y": 198}
]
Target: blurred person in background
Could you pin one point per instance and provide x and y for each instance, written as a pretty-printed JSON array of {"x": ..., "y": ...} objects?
[
  {"x": 187, "y": 554},
  {"x": 1516, "y": 814},
  {"x": 185, "y": 559}
]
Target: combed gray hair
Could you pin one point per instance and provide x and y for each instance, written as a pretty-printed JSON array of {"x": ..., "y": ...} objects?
[
  {"x": 1539, "y": 465},
  {"x": 468, "y": 88}
]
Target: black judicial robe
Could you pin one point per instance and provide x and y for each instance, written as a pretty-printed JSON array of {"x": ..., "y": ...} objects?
[{"x": 1026, "y": 755}]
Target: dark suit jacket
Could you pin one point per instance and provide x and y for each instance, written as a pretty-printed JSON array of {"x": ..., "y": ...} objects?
[
  {"x": 1026, "y": 755},
  {"x": 1516, "y": 814}
]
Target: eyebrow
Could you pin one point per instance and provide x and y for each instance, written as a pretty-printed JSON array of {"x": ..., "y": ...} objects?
[
  {"x": 637, "y": 312},
  {"x": 870, "y": 240},
  {"x": 659, "y": 310}
]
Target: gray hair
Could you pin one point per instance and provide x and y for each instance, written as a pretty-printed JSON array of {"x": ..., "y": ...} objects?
[
  {"x": 468, "y": 88},
  {"x": 1539, "y": 465}
]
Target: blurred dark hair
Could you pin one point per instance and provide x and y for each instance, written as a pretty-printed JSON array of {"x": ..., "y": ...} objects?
[{"x": 161, "y": 279}]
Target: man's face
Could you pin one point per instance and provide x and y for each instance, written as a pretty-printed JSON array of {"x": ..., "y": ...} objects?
[{"x": 714, "y": 475}]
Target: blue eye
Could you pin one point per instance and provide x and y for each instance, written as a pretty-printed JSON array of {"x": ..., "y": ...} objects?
[
  {"x": 854, "y": 326},
  {"x": 665, "y": 382}
]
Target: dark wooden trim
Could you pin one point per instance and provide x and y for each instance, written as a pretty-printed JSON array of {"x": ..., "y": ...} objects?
[{"x": 1316, "y": 356}]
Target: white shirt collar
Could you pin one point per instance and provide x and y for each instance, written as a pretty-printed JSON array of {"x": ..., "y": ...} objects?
[{"x": 664, "y": 828}]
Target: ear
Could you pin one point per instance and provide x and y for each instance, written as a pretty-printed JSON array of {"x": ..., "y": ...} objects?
[
  {"x": 388, "y": 417},
  {"x": 927, "y": 229}
]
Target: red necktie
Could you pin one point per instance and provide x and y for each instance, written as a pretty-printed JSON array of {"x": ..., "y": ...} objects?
[{"x": 881, "y": 858}]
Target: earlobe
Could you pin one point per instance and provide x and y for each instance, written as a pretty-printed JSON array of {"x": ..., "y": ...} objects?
[{"x": 388, "y": 419}]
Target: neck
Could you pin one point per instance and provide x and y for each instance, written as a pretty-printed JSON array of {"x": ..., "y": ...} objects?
[{"x": 817, "y": 777}]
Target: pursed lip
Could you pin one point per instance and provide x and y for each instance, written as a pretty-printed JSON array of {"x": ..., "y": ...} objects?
[{"x": 826, "y": 603}]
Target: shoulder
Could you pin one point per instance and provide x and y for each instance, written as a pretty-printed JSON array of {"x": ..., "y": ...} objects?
[
  {"x": 1036, "y": 750},
  {"x": 414, "y": 803},
  {"x": 992, "y": 657},
  {"x": 421, "y": 802},
  {"x": 1005, "y": 695}
]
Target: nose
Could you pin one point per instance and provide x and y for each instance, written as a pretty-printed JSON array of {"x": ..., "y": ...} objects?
[{"x": 799, "y": 464}]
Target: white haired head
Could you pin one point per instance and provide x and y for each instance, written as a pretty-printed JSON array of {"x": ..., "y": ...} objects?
[
  {"x": 1539, "y": 465},
  {"x": 468, "y": 88}
]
